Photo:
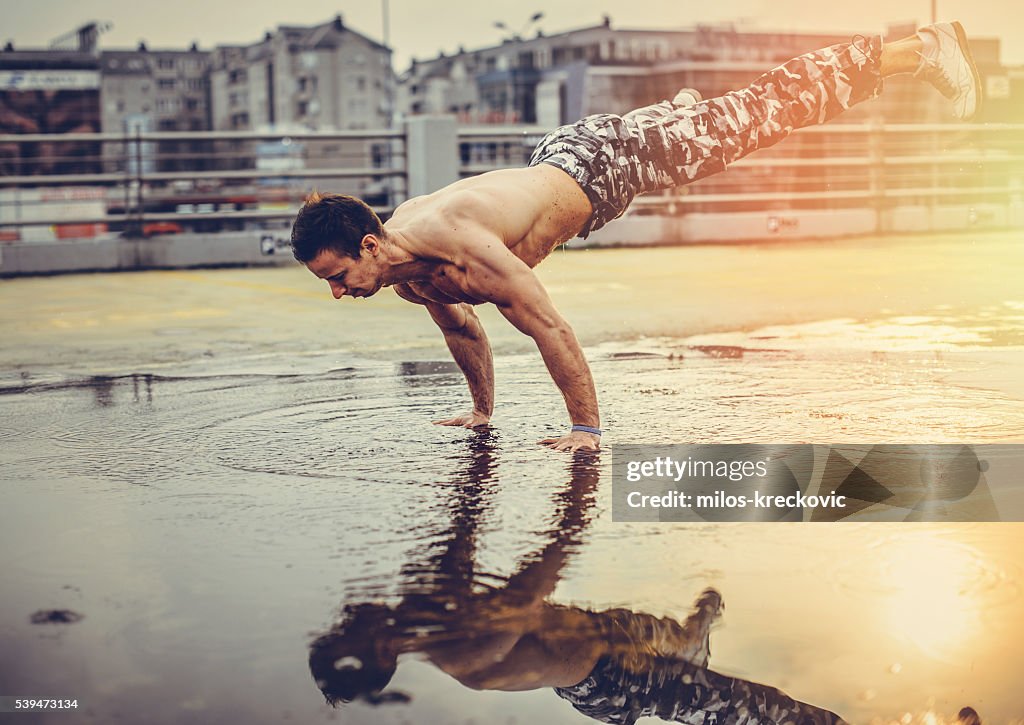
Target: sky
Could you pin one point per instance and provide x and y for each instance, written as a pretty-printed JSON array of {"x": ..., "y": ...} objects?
[{"x": 421, "y": 28}]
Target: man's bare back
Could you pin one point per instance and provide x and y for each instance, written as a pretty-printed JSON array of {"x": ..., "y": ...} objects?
[{"x": 531, "y": 210}]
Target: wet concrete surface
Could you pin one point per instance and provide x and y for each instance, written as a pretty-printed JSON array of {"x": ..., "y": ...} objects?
[{"x": 213, "y": 467}]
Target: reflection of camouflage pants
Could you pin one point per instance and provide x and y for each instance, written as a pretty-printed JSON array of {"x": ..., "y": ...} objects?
[
  {"x": 682, "y": 692},
  {"x": 615, "y": 158}
]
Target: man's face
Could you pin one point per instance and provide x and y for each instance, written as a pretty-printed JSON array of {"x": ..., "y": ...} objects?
[{"x": 361, "y": 277}]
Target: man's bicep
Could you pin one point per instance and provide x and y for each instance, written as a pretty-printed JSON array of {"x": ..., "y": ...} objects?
[
  {"x": 521, "y": 298},
  {"x": 496, "y": 275},
  {"x": 450, "y": 318}
]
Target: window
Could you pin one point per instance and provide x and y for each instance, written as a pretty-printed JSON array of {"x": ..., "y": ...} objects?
[
  {"x": 165, "y": 84},
  {"x": 165, "y": 63}
]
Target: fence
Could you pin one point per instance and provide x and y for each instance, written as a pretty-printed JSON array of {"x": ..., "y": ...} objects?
[{"x": 111, "y": 185}]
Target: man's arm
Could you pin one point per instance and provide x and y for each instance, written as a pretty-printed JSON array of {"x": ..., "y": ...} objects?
[
  {"x": 493, "y": 273},
  {"x": 468, "y": 344},
  {"x": 532, "y": 313}
]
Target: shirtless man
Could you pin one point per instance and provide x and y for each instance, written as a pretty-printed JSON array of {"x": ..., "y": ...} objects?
[{"x": 478, "y": 240}]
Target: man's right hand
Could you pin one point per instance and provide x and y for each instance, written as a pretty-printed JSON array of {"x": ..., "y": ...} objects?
[
  {"x": 574, "y": 441},
  {"x": 474, "y": 419}
]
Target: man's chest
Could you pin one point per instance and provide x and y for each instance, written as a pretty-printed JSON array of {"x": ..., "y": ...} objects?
[{"x": 447, "y": 285}]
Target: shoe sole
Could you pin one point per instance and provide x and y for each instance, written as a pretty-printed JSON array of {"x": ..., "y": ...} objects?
[
  {"x": 693, "y": 92},
  {"x": 961, "y": 38}
]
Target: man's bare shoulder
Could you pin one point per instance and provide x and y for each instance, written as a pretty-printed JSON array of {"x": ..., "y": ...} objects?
[
  {"x": 443, "y": 224},
  {"x": 507, "y": 206}
]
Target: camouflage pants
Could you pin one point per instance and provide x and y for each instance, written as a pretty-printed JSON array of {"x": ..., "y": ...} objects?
[
  {"x": 682, "y": 692},
  {"x": 615, "y": 158}
]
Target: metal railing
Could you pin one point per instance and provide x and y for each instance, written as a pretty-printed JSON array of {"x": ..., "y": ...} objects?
[
  {"x": 209, "y": 181},
  {"x": 175, "y": 181},
  {"x": 832, "y": 166}
]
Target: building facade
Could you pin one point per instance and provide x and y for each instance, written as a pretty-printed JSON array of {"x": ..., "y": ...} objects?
[
  {"x": 167, "y": 88},
  {"x": 325, "y": 77},
  {"x": 49, "y": 92},
  {"x": 556, "y": 79}
]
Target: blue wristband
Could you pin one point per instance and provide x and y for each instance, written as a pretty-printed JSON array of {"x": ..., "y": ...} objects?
[{"x": 586, "y": 429}]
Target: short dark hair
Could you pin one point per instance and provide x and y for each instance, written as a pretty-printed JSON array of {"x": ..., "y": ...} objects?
[
  {"x": 353, "y": 660},
  {"x": 332, "y": 221}
]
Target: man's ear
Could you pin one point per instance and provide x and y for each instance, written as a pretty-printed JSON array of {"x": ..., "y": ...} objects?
[{"x": 371, "y": 244}]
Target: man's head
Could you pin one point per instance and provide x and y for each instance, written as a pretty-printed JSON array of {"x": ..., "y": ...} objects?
[
  {"x": 354, "y": 660},
  {"x": 339, "y": 239}
]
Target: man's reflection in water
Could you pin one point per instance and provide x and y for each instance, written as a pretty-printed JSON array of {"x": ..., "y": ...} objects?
[{"x": 495, "y": 633}]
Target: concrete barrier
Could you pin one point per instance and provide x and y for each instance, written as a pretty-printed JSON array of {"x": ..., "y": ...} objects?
[
  {"x": 733, "y": 227},
  {"x": 268, "y": 248},
  {"x": 172, "y": 251}
]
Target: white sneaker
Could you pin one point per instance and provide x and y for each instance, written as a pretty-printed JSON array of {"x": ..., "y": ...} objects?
[
  {"x": 687, "y": 97},
  {"x": 947, "y": 64}
]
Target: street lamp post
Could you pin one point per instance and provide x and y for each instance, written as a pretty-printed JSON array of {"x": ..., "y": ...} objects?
[
  {"x": 519, "y": 35},
  {"x": 501, "y": 25}
]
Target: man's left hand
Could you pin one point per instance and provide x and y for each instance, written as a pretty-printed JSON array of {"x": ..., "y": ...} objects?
[
  {"x": 578, "y": 440},
  {"x": 473, "y": 419}
]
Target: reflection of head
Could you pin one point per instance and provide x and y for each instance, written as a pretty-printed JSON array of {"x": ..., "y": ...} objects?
[
  {"x": 353, "y": 660},
  {"x": 968, "y": 716}
]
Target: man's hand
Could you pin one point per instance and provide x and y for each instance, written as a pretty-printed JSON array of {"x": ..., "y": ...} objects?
[
  {"x": 473, "y": 419},
  {"x": 576, "y": 441}
]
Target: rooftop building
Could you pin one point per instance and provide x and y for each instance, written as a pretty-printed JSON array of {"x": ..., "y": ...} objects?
[
  {"x": 554, "y": 79},
  {"x": 321, "y": 77}
]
